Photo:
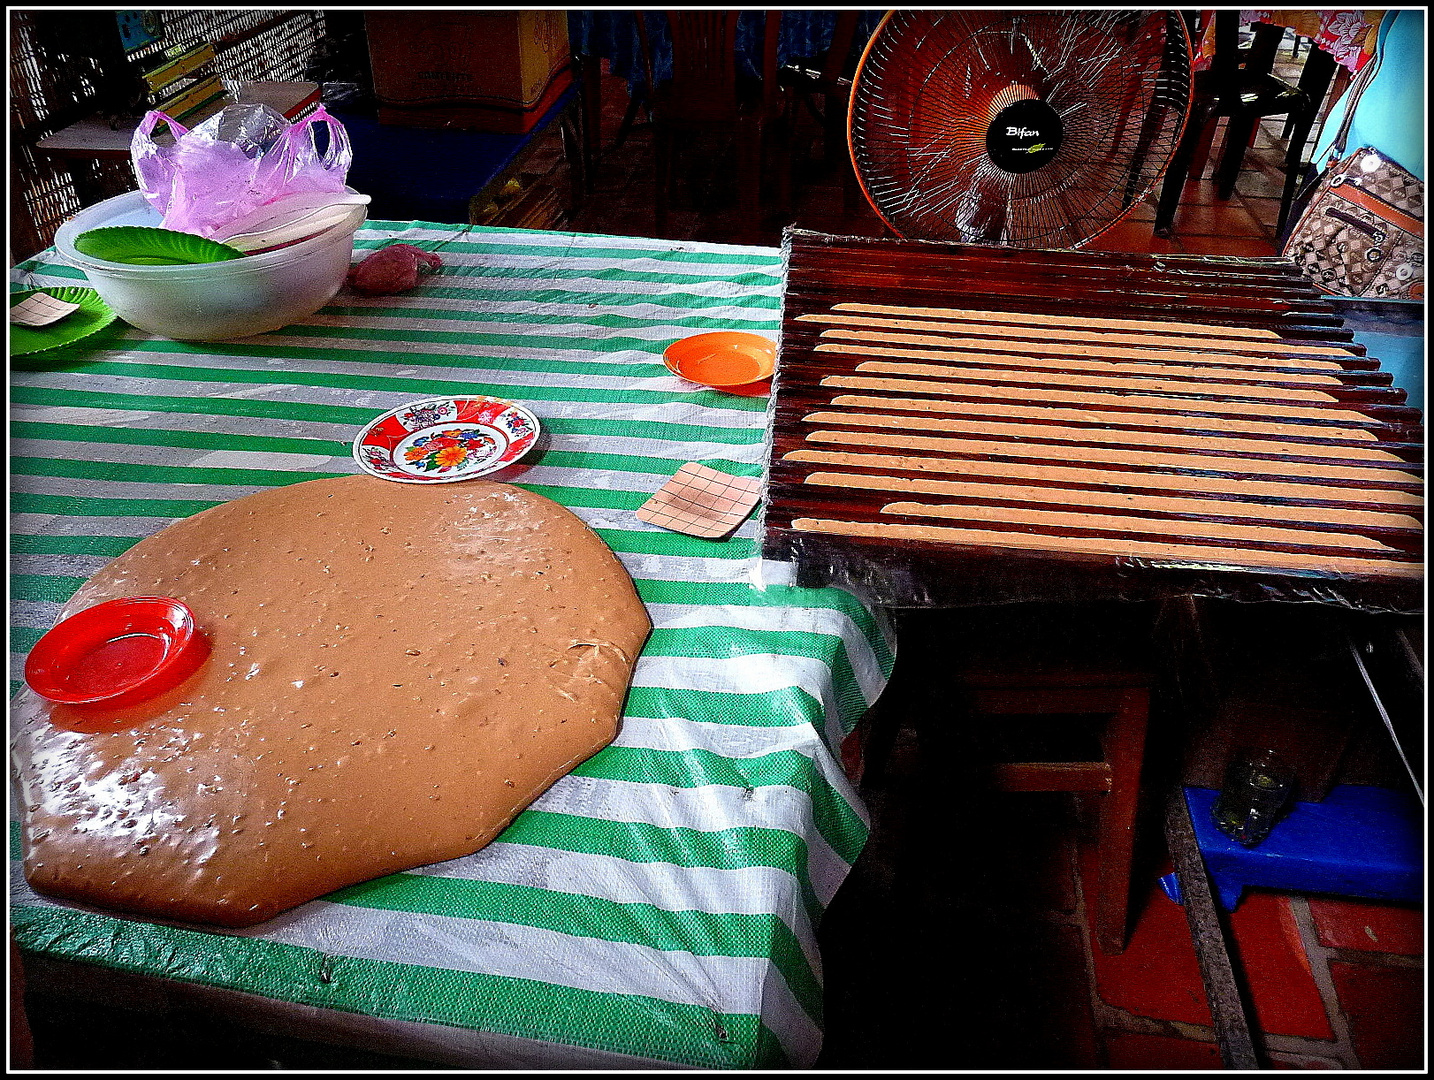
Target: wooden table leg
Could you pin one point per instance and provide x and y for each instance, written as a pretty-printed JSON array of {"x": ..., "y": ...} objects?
[
  {"x": 1124, "y": 753},
  {"x": 590, "y": 75},
  {"x": 571, "y": 127}
]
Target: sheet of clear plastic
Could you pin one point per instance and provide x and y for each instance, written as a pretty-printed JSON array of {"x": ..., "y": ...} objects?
[
  {"x": 657, "y": 907},
  {"x": 241, "y": 158}
]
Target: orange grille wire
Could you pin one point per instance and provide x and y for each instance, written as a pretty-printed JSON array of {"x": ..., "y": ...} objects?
[{"x": 932, "y": 82}]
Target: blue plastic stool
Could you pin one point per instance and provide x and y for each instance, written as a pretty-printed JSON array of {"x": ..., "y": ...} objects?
[{"x": 1360, "y": 841}]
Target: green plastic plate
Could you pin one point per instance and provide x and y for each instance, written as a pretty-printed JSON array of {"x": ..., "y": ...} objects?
[
  {"x": 94, "y": 314},
  {"x": 144, "y": 246}
]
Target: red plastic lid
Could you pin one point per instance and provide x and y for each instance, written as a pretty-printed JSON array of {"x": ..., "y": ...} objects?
[{"x": 117, "y": 653}]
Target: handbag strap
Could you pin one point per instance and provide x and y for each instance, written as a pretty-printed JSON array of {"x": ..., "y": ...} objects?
[{"x": 1356, "y": 91}]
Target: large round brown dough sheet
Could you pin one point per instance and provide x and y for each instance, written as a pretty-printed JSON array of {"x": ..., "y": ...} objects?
[{"x": 397, "y": 670}]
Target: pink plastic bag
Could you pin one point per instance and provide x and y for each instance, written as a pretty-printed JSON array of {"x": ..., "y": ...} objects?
[{"x": 241, "y": 158}]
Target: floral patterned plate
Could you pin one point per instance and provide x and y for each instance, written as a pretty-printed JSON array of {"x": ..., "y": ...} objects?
[{"x": 440, "y": 440}]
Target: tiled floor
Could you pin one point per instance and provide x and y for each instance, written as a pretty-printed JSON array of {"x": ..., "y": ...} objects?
[
  {"x": 826, "y": 201},
  {"x": 1206, "y": 225}
]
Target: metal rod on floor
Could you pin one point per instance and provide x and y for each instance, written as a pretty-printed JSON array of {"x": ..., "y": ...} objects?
[
  {"x": 1384, "y": 715},
  {"x": 1232, "y": 1026}
]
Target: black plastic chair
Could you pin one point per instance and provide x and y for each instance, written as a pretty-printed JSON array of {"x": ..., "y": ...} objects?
[{"x": 1240, "y": 85}]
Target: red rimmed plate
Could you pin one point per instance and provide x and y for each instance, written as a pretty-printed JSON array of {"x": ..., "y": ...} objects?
[
  {"x": 442, "y": 440},
  {"x": 117, "y": 653}
]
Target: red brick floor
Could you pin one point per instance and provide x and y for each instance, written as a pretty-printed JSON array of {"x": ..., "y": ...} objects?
[
  {"x": 1127, "y": 1050},
  {"x": 1382, "y": 1004},
  {"x": 1332, "y": 983},
  {"x": 1158, "y": 975},
  {"x": 1388, "y": 928}
]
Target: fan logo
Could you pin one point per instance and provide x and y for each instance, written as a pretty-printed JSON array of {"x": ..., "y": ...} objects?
[
  {"x": 1024, "y": 136},
  {"x": 1025, "y": 133}
]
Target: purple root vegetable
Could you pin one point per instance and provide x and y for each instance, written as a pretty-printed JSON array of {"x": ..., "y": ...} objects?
[{"x": 393, "y": 269}]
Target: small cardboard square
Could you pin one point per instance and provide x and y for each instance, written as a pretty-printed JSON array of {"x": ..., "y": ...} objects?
[
  {"x": 701, "y": 502},
  {"x": 40, "y": 309}
]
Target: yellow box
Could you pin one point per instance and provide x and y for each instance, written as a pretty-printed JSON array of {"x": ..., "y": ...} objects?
[{"x": 499, "y": 69}]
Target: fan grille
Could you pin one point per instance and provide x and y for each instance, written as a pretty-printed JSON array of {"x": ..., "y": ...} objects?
[{"x": 932, "y": 84}]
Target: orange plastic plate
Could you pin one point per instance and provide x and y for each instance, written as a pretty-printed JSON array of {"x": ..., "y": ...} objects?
[{"x": 725, "y": 360}]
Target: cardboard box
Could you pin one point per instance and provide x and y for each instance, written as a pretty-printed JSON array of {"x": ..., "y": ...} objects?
[{"x": 473, "y": 70}]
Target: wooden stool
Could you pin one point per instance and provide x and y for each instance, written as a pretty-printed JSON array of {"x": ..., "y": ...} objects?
[
  {"x": 1037, "y": 660},
  {"x": 1125, "y": 695}
]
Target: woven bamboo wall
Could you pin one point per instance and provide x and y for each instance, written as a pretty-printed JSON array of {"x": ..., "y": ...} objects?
[{"x": 51, "y": 89}]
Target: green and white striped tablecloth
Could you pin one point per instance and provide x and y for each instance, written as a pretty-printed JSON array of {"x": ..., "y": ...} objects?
[{"x": 658, "y": 905}]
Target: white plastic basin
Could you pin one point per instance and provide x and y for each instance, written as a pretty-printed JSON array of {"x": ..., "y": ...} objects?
[{"x": 212, "y": 301}]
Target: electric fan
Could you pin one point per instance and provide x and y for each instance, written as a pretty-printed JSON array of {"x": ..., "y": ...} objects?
[{"x": 1030, "y": 129}]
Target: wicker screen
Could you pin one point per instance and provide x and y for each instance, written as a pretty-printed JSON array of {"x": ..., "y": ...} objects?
[{"x": 51, "y": 89}]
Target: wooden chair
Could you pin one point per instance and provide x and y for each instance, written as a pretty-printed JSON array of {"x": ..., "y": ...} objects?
[
  {"x": 706, "y": 96},
  {"x": 1066, "y": 665},
  {"x": 1122, "y": 694},
  {"x": 1240, "y": 85}
]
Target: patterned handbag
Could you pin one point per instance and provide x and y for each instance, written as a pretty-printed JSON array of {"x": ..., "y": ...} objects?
[{"x": 1362, "y": 231}]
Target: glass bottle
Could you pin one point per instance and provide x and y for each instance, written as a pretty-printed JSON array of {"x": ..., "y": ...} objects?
[{"x": 1258, "y": 787}]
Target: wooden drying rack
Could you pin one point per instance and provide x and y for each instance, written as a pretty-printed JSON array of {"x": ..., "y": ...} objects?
[{"x": 960, "y": 424}]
